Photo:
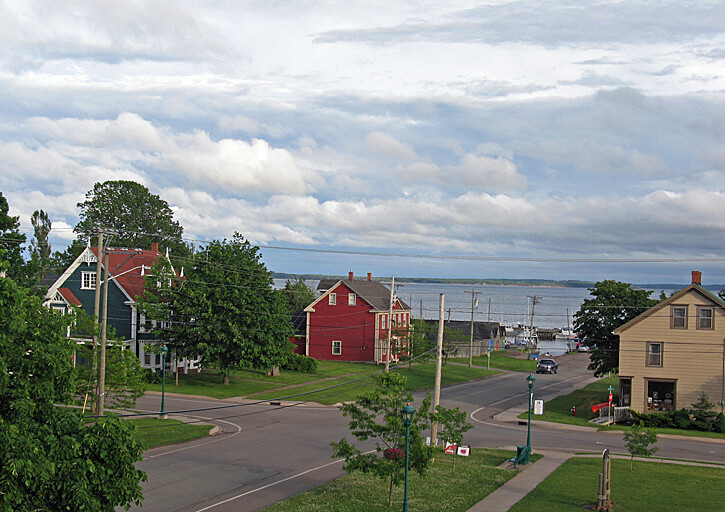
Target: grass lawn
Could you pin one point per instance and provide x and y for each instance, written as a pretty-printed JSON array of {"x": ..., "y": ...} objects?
[
  {"x": 155, "y": 432},
  {"x": 257, "y": 385},
  {"x": 504, "y": 360},
  {"x": 440, "y": 490},
  {"x": 558, "y": 410},
  {"x": 651, "y": 487}
]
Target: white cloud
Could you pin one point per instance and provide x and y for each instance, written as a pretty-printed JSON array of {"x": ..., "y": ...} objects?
[
  {"x": 385, "y": 144},
  {"x": 419, "y": 172},
  {"x": 493, "y": 174}
]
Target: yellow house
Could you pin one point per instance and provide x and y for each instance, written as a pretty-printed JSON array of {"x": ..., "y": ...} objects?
[{"x": 673, "y": 351}]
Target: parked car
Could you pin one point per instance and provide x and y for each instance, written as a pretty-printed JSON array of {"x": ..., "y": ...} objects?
[
  {"x": 547, "y": 366},
  {"x": 582, "y": 348}
]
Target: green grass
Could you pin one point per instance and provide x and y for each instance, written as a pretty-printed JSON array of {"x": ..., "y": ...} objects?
[
  {"x": 155, "y": 432},
  {"x": 504, "y": 360},
  {"x": 558, "y": 410},
  {"x": 440, "y": 490},
  {"x": 255, "y": 385},
  {"x": 651, "y": 487}
]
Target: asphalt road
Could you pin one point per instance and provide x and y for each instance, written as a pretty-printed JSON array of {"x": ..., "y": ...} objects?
[{"x": 268, "y": 453}]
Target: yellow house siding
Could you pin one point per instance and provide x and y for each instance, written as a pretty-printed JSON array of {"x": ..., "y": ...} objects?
[{"x": 692, "y": 357}]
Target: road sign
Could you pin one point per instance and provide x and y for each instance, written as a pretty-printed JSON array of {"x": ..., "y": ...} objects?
[{"x": 538, "y": 407}]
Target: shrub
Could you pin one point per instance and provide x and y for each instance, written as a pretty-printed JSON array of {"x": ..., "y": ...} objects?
[
  {"x": 151, "y": 376},
  {"x": 300, "y": 363},
  {"x": 655, "y": 419},
  {"x": 682, "y": 419},
  {"x": 719, "y": 423},
  {"x": 704, "y": 413}
]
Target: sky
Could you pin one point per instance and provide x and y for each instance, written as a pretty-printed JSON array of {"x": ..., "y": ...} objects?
[{"x": 494, "y": 139}]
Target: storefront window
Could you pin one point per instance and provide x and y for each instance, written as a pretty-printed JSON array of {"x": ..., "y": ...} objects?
[
  {"x": 660, "y": 396},
  {"x": 625, "y": 392}
]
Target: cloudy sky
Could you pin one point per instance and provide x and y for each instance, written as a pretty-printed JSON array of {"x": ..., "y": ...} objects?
[{"x": 518, "y": 139}]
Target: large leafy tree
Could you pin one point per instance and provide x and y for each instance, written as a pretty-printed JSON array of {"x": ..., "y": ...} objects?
[
  {"x": 376, "y": 415},
  {"x": 224, "y": 310},
  {"x": 612, "y": 304},
  {"x": 39, "y": 264},
  {"x": 138, "y": 216},
  {"x": 11, "y": 242},
  {"x": 50, "y": 459}
]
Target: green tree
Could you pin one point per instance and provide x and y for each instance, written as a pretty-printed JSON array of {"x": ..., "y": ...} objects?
[
  {"x": 224, "y": 311},
  {"x": 420, "y": 344},
  {"x": 40, "y": 245},
  {"x": 138, "y": 216},
  {"x": 50, "y": 459},
  {"x": 377, "y": 415},
  {"x": 703, "y": 412},
  {"x": 638, "y": 441},
  {"x": 613, "y": 303},
  {"x": 297, "y": 294},
  {"x": 11, "y": 242},
  {"x": 453, "y": 425}
]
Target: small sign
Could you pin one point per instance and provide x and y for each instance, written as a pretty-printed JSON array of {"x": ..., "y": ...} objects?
[
  {"x": 427, "y": 440},
  {"x": 464, "y": 450},
  {"x": 610, "y": 398},
  {"x": 538, "y": 407},
  {"x": 451, "y": 448}
]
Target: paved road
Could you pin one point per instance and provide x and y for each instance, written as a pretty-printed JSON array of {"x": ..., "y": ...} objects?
[{"x": 267, "y": 453}]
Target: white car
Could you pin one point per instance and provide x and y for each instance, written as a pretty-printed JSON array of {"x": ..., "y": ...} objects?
[{"x": 582, "y": 348}]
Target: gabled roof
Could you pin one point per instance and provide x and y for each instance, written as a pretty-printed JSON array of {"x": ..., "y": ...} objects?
[
  {"x": 670, "y": 300},
  {"x": 373, "y": 292},
  {"x": 128, "y": 269},
  {"x": 69, "y": 297}
]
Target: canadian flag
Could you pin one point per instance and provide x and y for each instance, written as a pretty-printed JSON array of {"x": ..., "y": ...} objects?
[{"x": 464, "y": 450}]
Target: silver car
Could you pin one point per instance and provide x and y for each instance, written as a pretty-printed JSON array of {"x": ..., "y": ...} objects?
[{"x": 547, "y": 366}]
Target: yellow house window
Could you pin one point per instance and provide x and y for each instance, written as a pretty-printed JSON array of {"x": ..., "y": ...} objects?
[
  {"x": 654, "y": 354},
  {"x": 679, "y": 317},
  {"x": 705, "y": 318}
]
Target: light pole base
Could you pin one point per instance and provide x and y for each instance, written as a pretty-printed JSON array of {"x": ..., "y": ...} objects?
[{"x": 163, "y": 416}]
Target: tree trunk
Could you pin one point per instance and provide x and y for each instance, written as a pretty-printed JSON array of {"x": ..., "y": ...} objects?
[
  {"x": 273, "y": 372},
  {"x": 454, "y": 462},
  {"x": 390, "y": 494},
  {"x": 225, "y": 380}
]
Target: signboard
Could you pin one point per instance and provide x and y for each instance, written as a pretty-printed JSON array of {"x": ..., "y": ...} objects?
[
  {"x": 610, "y": 398},
  {"x": 464, "y": 450},
  {"x": 538, "y": 407},
  {"x": 451, "y": 448}
]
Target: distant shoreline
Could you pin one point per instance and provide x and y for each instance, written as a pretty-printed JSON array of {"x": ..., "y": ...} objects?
[{"x": 541, "y": 283}]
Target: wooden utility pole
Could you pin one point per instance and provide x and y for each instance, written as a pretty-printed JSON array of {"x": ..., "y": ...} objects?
[
  {"x": 473, "y": 307},
  {"x": 390, "y": 324},
  {"x": 102, "y": 369},
  {"x": 439, "y": 371},
  {"x": 534, "y": 301},
  {"x": 96, "y": 316}
]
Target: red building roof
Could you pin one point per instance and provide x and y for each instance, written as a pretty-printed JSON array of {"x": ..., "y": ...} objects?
[
  {"x": 129, "y": 267},
  {"x": 69, "y": 297}
]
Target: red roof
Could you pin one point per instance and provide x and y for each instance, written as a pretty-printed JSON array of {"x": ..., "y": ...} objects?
[
  {"x": 129, "y": 267},
  {"x": 69, "y": 297}
]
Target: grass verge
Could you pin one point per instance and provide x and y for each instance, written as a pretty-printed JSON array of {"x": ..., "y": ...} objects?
[
  {"x": 440, "y": 490},
  {"x": 504, "y": 360},
  {"x": 651, "y": 487},
  {"x": 154, "y": 432},
  {"x": 255, "y": 385}
]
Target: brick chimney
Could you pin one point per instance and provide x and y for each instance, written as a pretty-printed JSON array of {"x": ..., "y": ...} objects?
[
  {"x": 154, "y": 247},
  {"x": 350, "y": 275},
  {"x": 370, "y": 276},
  {"x": 696, "y": 277}
]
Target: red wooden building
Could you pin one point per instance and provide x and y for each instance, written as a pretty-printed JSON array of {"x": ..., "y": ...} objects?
[{"x": 351, "y": 321}]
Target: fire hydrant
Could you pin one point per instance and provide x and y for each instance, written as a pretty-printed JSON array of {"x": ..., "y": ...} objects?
[{"x": 573, "y": 410}]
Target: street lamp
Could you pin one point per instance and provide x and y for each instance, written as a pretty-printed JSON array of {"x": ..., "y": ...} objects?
[
  {"x": 530, "y": 379},
  {"x": 407, "y": 414},
  {"x": 164, "y": 351}
]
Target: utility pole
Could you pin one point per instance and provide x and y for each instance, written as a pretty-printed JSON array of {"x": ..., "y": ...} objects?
[
  {"x": 96, "y": 316},
  {"x": 534, "y": 301},
  {"x": 489, "y": 310},
  {"x": 102, "y": 370},
  {"x": 421, "y": 309},
  {"x": 390, "y": 324},
  {"x": 439, "y": 370},
  {"x": 473, "y": 307}
]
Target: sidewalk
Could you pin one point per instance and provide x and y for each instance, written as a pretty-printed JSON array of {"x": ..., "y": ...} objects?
[{"x": 503, "y": 498}]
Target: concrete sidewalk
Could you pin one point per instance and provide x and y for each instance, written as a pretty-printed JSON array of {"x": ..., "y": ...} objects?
[{"x": 503, "y": 498}]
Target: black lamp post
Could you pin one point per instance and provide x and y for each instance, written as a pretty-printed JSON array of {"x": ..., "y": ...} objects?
[
  {"x": 530, "y": 379},
  {"x": 164, "y": 351},
  {"x": 407, "y": 414}
]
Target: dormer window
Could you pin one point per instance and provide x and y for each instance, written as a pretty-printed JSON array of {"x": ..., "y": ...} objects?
[{"x": 679, "y": 317}]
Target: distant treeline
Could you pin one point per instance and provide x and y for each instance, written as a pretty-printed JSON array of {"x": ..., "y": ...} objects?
[{"x": 442, "y": 280}]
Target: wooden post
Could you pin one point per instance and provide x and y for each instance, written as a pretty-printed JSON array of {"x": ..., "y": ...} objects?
[
  {"x": 439, "y": 370},
  {"x": 604, "y": 502}
]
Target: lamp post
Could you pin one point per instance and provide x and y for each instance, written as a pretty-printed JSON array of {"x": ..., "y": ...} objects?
[
  {"x": 407, "y": 414},
  {"x": 164, "y": 351},
  {"x": 530, "y": 379}
]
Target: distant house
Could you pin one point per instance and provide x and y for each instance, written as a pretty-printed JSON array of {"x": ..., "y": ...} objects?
[
  {"x": 128, "y": 268},
  {"x": 351, "y": 321},
  {"x": 457, "y": 336},
  {"x": 673, "y": 351}
]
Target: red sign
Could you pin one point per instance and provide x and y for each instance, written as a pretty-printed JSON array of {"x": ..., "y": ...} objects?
[
  {"x": 610, "y": 398},
  {"x": 451, "y": 448}
]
